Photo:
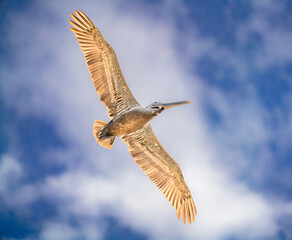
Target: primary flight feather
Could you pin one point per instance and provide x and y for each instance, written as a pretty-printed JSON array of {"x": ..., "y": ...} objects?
[{"x": 129, "y": 119}]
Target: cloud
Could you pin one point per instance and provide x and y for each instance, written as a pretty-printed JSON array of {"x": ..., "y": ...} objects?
[
  {"x": 58, "y": 231},
  {"x": 8, "y": 167},
  {"x": 14, "y": 193},
  {"x": 266, "y": 24},
  {"x": 50, "y": 81}
]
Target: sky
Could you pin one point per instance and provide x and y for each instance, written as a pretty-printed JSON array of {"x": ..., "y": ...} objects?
[{"x": 232, "y": 59}]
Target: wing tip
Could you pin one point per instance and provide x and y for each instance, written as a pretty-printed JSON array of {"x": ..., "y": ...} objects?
[
  {"x": 187, "y": 210},
  {"x": 72, "y": 29}
]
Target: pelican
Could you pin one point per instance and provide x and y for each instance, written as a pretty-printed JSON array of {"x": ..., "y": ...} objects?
[{"x": 129, "y": 119}]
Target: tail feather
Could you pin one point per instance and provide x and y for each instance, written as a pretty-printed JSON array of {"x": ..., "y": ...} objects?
[{"x": 103, "y": 140}]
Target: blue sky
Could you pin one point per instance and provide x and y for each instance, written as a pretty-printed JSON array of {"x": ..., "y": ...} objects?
[{"x": 232, "y": 59}]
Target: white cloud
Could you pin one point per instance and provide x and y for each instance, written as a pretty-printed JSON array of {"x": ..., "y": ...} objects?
[
  {"x": 58, "y": 230},
  {"x": 108, "y": 183},
  {"x": 274, "y": 47},
  {"x": 225, "y": 208},
  {"x": 10, "y": 170},
  {"x": 14, "y": 193}
]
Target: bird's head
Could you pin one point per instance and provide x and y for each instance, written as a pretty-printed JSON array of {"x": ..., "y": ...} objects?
[{"x": 158, "y": 107}]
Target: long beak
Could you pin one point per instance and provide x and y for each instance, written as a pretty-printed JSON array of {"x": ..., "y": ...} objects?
[{"x": 173, "y": 104}]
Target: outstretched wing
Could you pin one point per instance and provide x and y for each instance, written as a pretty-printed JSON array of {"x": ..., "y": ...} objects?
[
  {"x": 157, "y": 164},
  {"x": 103, "y": 65}
]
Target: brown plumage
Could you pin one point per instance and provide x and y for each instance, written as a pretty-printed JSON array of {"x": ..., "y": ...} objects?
[{"x": 129, "y": 119}]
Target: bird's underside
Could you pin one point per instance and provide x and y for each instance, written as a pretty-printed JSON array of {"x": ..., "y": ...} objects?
[{"x": 114, "y": 92}]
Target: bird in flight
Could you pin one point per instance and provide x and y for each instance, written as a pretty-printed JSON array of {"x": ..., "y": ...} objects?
[{"x": 129, "y": 119}]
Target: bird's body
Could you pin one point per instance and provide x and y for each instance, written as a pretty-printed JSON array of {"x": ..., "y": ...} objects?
[{"x": 129, "y": 119}]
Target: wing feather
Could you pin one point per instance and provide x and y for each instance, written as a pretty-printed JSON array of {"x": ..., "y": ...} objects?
[
  {"x": 103, "y": 65},
  {"x": 162, "y": 170}
]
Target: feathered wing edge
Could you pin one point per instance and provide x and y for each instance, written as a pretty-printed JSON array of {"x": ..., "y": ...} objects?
[
  {"x": 162, "y": 170},
  {"x": 103, "y": 66}
]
